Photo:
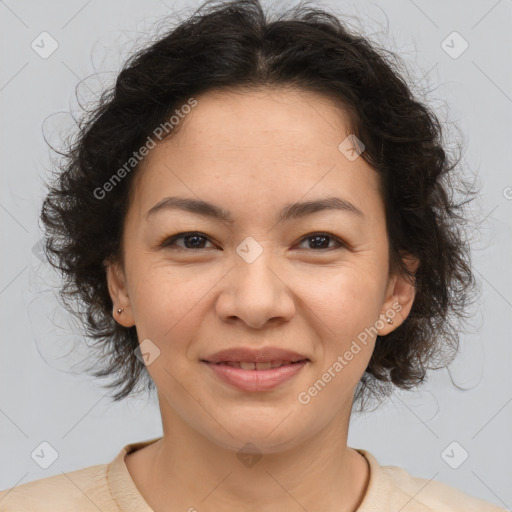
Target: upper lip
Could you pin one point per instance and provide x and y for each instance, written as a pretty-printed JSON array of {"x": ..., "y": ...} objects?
[{"x": 262, "y": 355}]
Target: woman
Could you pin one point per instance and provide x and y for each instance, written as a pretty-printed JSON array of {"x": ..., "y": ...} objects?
[{"x": 258, "y": 222}]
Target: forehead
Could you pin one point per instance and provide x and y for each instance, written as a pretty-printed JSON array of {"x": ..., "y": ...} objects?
[
  {"x": 259, "y": 145},
  {"x": 285, "y": 120}
]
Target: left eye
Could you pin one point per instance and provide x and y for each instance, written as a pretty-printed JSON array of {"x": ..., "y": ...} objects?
[
  {"x": 197, "y": 240},
  {"x": 321, "y": 239}
]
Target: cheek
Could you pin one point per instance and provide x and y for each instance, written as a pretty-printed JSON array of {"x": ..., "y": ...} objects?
[
  {"x": 157, "y": 298},
  {"x": 169, "y": 303},
  {"x": 345, "y": 300}
]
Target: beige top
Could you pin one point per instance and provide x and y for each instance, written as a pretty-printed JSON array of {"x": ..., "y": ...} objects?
[{"x": 110, "y": 488}]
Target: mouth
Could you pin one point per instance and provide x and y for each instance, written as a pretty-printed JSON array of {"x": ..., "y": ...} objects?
[
  {"x": 249, "y": 357},
  {"x": 258, "y": 366},
  {"x": 255, "y": 369},
  {"x": 251, "y": 377}
]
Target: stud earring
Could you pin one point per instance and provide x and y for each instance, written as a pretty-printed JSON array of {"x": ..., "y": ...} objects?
[
  {"x": 120, "y": 310},
  {"x": 389, "y": 321}
]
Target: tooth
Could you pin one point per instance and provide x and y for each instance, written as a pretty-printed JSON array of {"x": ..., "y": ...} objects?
[
  {"x": 247, "y": 366},
  {"x": 235, "y": 364},
  {"x": 277, "y": 363},
  {"x": 263, "y": 366}
]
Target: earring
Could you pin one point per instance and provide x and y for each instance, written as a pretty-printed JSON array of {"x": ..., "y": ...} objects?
[
  {"x": 120, "y": 310},
  {"x": 388, "y": 320}
]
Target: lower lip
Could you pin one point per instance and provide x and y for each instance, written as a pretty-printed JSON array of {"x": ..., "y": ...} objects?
[{"x": 256, "y": 380}]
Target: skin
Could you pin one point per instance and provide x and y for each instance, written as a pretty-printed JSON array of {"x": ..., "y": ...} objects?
[{"x": 251, "y": 153}]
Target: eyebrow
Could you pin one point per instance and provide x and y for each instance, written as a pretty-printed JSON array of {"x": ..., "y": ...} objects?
[{"x": 289, "y": 211}]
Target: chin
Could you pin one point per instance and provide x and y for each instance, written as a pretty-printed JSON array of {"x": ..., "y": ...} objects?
[{"x": 259, "y": 435}]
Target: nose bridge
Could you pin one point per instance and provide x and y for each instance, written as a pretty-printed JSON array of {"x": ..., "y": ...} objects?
[
  {"x": 257, "y": 293},
  {"x": 254, "y": 266}
]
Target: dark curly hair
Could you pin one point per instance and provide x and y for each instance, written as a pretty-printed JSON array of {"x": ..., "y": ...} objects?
[{"x": 234, "y": 45}]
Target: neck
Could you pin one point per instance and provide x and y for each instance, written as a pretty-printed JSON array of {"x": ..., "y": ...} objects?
[{"x": 191, "y": 472}]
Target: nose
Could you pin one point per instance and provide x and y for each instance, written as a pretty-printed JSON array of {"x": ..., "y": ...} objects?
[{"x": 256, "y": 293}]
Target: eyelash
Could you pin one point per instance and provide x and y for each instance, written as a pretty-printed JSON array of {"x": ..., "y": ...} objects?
[{"x": 170, "y": 240}]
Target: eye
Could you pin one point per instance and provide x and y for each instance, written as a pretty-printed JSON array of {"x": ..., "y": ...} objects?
[
  {"x": 320, "y": 240},
  {"x": 196, "y": 240},
  {"x": 193, "y": 239}
]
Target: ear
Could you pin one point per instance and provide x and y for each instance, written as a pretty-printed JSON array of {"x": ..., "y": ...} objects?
[
  {"x": 399, "y": 298},
  {"x": 119, "y": 294}
]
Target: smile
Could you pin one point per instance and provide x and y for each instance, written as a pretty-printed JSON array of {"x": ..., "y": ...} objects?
[
  {"x": 248, "y": 365},
  {"x": 254, "y": 377}
]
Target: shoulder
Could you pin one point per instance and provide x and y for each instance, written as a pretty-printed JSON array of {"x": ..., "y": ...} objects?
[
  {"x": 393, "y": 488},
  {"x": 83, "y": 490},
  {"x": 435, "y": 495}
]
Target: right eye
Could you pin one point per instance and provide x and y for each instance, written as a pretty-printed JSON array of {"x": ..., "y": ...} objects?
[{"x": 193, "y": 239}]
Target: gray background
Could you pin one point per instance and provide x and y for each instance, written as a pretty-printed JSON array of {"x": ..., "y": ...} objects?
[{"x": 43, "y": 398}]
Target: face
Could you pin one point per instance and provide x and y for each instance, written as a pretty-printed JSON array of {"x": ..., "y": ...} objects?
[{"x": 310, "y": 282}]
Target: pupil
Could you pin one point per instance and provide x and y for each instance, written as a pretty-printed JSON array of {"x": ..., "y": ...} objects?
[
  {"x": 196, "y": 237},
  {"x": 320, "y": 237}
]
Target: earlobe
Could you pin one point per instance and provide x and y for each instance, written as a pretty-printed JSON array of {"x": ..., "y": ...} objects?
[{"x": 121, "y": 311}]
